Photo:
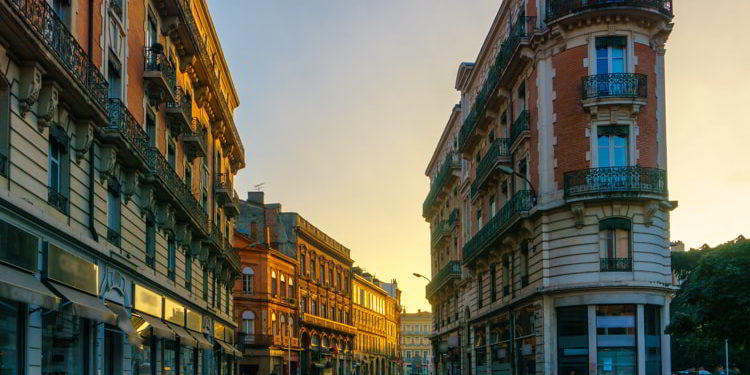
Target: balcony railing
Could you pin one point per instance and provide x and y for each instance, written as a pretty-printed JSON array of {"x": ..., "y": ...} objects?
[
  {"x": 499, "y": 150},
  {"x": 619, "y": 85},
  {"x": 116, "y": 6},
  {"x": 521, "y": 202},
  {"x": 113, "y": 236},
  {"x": 560, "y": 8},
  {"x": 441, "y": 231},
  {"x": 249, "y": 340},
  {"x": 3, "y": 165},
  {"x": 160, "y": 70},
  {"x": 519, "y": 126},
  {"x": 57, "y": 200},
  {"x": 329, "y": 324},
  {"x": 180, "y": 112},
  {"x": 519, "y": 31},
  {"x": 232, "y": 206},
  {"x": 623, "y": 180},
  {"x": 223, "y": 187},
  {"x": 194, "y": 140},
  {"x": 454, "y": 217},
  {"x": 122, "y": 122},
  {"x": 451, "y": 270},
  {"x": 40, "y": 16},
  {"x": 616, "y": 264},
  {"x": 450, "y": 164}
]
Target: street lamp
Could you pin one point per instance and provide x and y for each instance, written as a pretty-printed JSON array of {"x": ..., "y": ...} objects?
[
  {"x": 422, "y": 276},
  {"x": 512, "y": 172}
]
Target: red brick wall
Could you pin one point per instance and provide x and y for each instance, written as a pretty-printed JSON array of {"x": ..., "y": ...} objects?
[
  {"x": 646, "y": 141},
  {"x": 136, "y": 41},
  {"x": 572, "y": 143}
]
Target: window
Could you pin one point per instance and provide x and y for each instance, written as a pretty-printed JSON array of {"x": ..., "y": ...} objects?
[
  {"x": 652, "y": 321},
  {"x": 610, "y": 54},
  {"x": 615, "y": 337},
  {"x": 151, "y": 128},
  {"x": 313, "y": 308},
  {"x": 302, "y": 264},
  {"x": 614, "y": 244},
  {"x": 213, "y": 291},
  {"x": 282, "y": 287},
  {"x": 152, "y": 37},
  {"x": 572, "y": 333},
  {"x": 171, "y": 258},
  {"x": 188, "y": 174},
  {"x": 168, "y": 357},
  {"x": 273, "y": 283},
  {"x": 188, "y": 271},
  {"x": 322, "y": 274},
  {"x": 62, "y": 10},
  {"x": 329, "y": 281},
  {"x": 150, "y": 242},
  {"x": 493, "y": 280},
  {"x": 171, "y": 152},
  {"x": 506, "y": 276},
  {"x": 12, "y": 315},
  {"x": 65, "y": 343},
  {"x": 493, "y": 206},
  {"x": 247, "y": 280},
  {"x": 323, "y": 310},
  {"x": 187, "y": 360},
  {"x": 612, "y": 147},
  {"x": 274, "y": 325},
  {"x": 113, "y": 212},
  {"x": 479, "y": 219},
  {"x": 204, "y": 185},
  {"x": 480, "y": 289},
  {"x": 524, "y": 263},
  {"x": 283, "y": 326},
  {"x": 205, "y": 284},
  {"x": 112, "y": 353},
  {"x": 291, "y": 293}
]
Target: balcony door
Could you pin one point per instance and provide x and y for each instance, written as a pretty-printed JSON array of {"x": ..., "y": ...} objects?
[
  {"x": 610, "y": 61},
  {"x": 613, "y": 154}
]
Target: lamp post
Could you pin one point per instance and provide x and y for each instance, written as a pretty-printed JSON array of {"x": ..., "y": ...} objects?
[{"x": 422, "y": 276}]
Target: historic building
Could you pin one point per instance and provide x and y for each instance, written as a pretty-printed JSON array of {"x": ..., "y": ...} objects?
[
  {"x": 265, "y": 297},
  {"x": 556, "y": 160},
  {"x": 416, "y": 349},
  {"x": 368, "y": 313},
  {"x": 392, "y": 326},
  {"x": 118, "y": 151}
]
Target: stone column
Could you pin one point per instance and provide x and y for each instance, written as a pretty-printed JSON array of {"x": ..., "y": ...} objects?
[{"x": 592, "y": 340}]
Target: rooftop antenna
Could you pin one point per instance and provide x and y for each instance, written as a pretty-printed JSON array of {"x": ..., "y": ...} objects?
[{"x": 259, "y": 186}]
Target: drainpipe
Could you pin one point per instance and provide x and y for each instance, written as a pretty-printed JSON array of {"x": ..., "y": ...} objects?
[
  {"x": 92, "y": 186},
  {"x": 90, "y": 28}
]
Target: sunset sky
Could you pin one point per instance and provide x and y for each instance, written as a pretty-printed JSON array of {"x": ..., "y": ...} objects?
[{"x": 343, "y": 102}]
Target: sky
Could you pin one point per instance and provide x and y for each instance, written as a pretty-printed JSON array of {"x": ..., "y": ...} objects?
[{"x": 343, "y": 103}]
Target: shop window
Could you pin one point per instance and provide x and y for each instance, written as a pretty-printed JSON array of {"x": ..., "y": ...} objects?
[
  {"x": 187, "y": 360},
  {"x": 573, "y": 341},
  {"x": 500, "y": 341},
  {"x": 142, "y": 358},
  {"x": 247, "y": 280},
  {"x": 652, "y": 320},
  {"x": 615, "y": 244},
  {"x": 169, "y": 358},
  {"x": 12, "y": 328},
  {"x": 65, "y": 343},
  {"x": 615, "y": 337},
  {"x": 525, "y": 341}
]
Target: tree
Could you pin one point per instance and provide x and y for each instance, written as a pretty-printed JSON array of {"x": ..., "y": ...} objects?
[{"x": 713, "y": 304}]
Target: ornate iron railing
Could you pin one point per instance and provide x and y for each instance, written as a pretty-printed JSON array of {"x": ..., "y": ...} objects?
[
  {"x": 3, "y": 165},
  {"x": 561, "y": 8},
  {"x": 223, "y": 181},
  {"x": 616, "y": 264},
  {"x": 58, "y": 201},
  {"x": 626, "y": 85},
  {"x": 519, "y": 31},
  {"x": 452, "y": 269},
  {"x": 454, "y": 217},
  {"x": 499, "y": 149},
  {"x": 122, "y": 120},
  {"x": 182, "y": 102},
  {"x": 161, "y": 168},
  {"x": 253, "y": 340},
  {"x": 41, "y": 18},
  {"x": 441, "y": 230},
  {"x": 155, "y": 60},
  {"x": 519, "y": 126},
  {"x": 521, "y": 202},
  {"x": 113, "y": 237},
  {"x": 450, "y": 163},
  {"x": 626, "y": 180}
]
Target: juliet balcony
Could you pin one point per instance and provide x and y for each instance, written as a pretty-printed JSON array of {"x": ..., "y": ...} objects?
[
  {"x": 569, "y": 10},
  {"x": 159, "y": 74},
  {"x": 444, "y": 229},
  {"x": 232, "y": 206},
  {"x": 519, "y": 129},
  {"x": 180, "y": 112},
  {"x": 223, "y": 187},
  {"x": 448, "y": 172},
  {"x": 194, "y": 140},
  {"x": 126, "y": 135},
  {"x": 514, "y": 210},
  {"x": 620, "y": 182},
  {"x": 35, "y": 33},
  {"x": 498, "y": 153},
  {"x": 615, "y": 88},
  {"x": 511, "y": 58},
  {"x": 450, "y": 272}
]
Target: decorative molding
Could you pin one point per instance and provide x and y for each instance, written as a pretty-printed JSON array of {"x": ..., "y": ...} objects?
[
  {"x": 203, "y": 256},
  {"x": 577, "y": 209},
  {"x": 48, "y": 99},
  {"x": 184, "y": 236},
  {"x": 84, "y": 136},
  {"x": 107, "y": 162},
  {"x": 148, "y": 201},
  {"x": 129, "y": 181},
  {"x": 195, "y": 247},
  {"x": 30, "y": 86},
  {"x": 165, "y": 217},
  {"x": 649, "y": 210}
]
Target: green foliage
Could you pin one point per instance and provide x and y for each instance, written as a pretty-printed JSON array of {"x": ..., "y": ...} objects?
[{"x": 712, "y": 305}]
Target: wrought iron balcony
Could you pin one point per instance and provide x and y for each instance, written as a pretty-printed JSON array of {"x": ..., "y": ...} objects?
[
  {"x": 251, "y": 340},
  {"x": 3, "y": 165},
  {"x": 48, "y": 28},
  {"x": 615, "y": 181},
  {"x": 113, "y": 236},
  {"x": 180, "y": 112},
  {"x": 615, "y": 85},
  {"x": 450, "y": 165},
  {"x": 232, "y": 206},
  {"x": 452, "y": 270},
  {"x": 328, "y": 324},
  {"x": 616, "y": 264},
  {"x": 126, "y": 133},
  {"x": 499, "y": 152},
  {"x": 194, "y": 141},
  {"x": 519, "y": 127},
  {"x": 497, "y": 75},
  {"x": 515, "y": 208},
  {"x": 160, "y": 74},
  {"x": 441, "y": 232},
  {"x": 57, "y": 200},
  {"x": 223, "y": 187},
  {"x": 558, "y": 9}
]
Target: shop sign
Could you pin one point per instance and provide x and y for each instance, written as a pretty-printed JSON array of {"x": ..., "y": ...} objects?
[
  {"x": 174, "y": 312},
  {"x": 194, "y": 321},
  {"x": 71, "y": 270},
  {"x": 17, "y": 247},
  {"x": 147, "y": 301}
]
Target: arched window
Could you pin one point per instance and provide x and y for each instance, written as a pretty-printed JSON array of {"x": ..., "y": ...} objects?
[
  {"x": 247, "y": 280},
  {"x": 290, "y": 325},
  {"x": 283, "y": 325},
  {"x": 282, "y": 287},
  {"x": 291, "y": 293},
  {"x": 248, "y": 322},
  {"x": 274, "y": 325},
  {"x": 273, "y": 283}
]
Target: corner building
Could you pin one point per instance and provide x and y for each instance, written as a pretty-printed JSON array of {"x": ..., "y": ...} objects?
[
  {"x": 555, "y": 160},
  {"x": 118, "y": 150}
]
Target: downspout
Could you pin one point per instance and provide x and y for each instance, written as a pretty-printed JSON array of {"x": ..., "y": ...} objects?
[
  {"x": 90, "y": 29},
  {"x": 92, "y": 180}
]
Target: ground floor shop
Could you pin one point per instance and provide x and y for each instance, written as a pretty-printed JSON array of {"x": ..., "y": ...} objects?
[{"x": 269, "y": 361}]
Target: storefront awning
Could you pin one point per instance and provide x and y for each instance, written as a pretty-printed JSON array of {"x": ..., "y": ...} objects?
[
  {"x": 185, "y": 337},
  {"x": 159, "y": 328},
  {"x": 85, "y": 305},
  {"x": 225, "y": 346},
  {"x": 124, "y": 323},
  {"x": 202, "y": 342},
  {"x": 23, "y": 287}
]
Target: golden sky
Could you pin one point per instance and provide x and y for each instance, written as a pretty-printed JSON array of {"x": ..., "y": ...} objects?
[{"x": 343, "y": 102}]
